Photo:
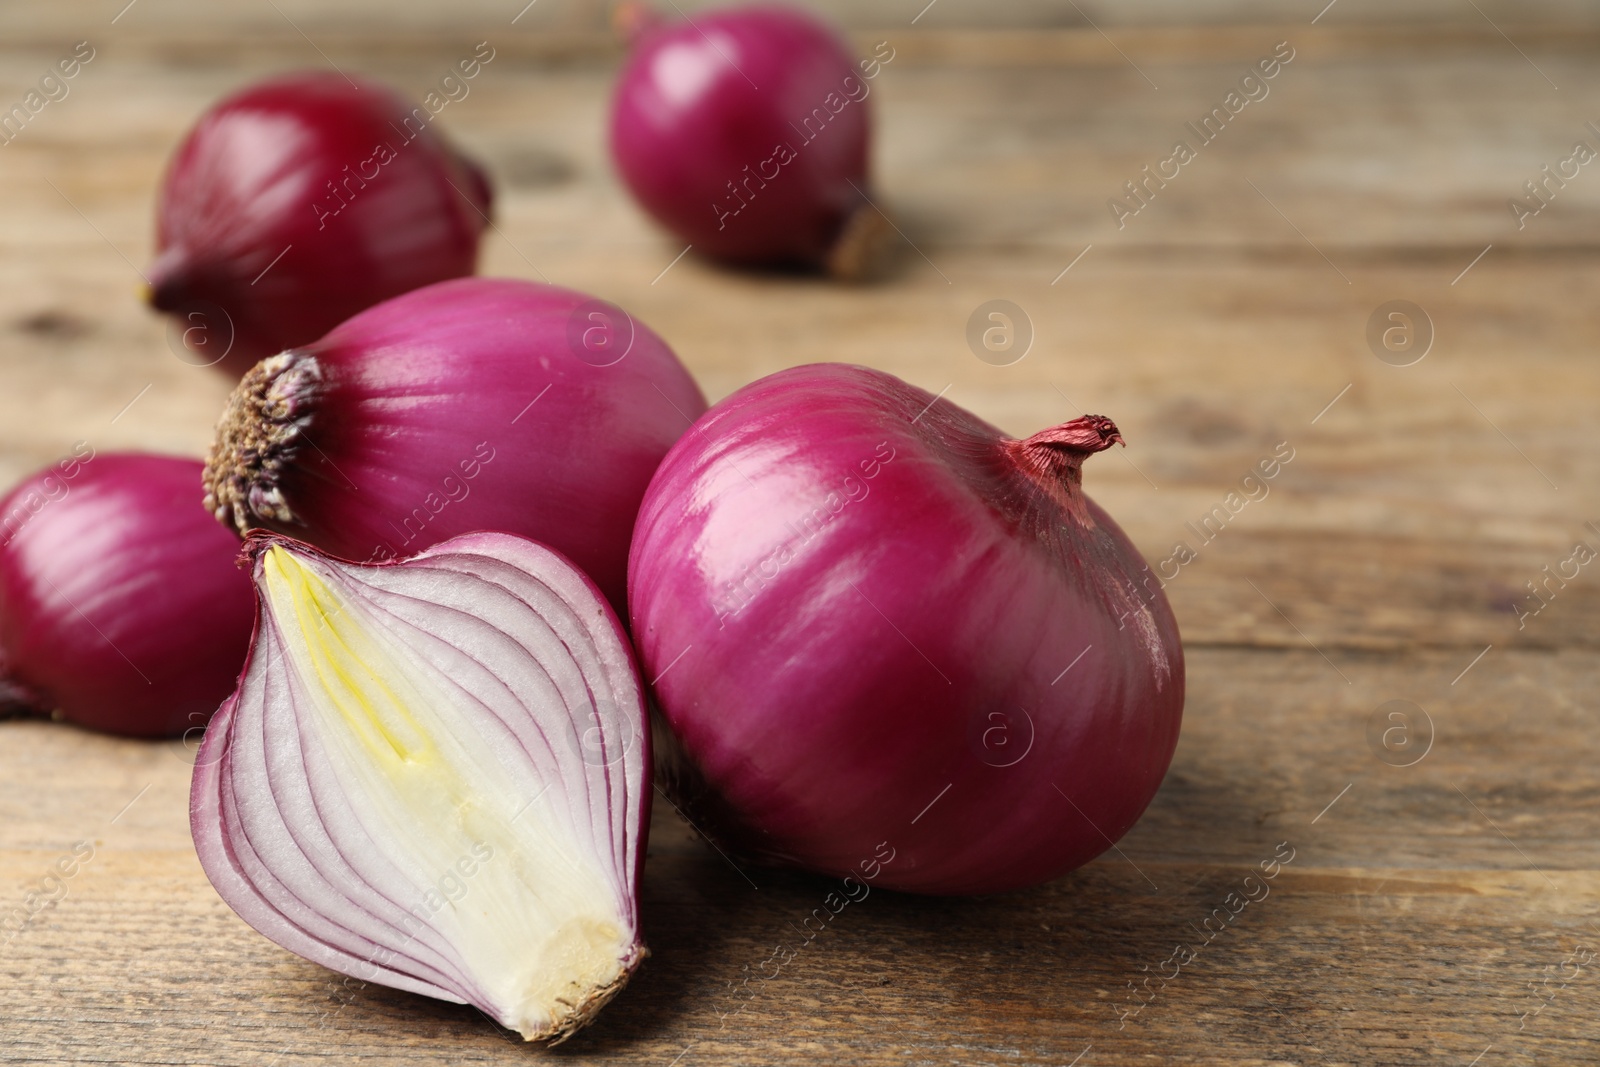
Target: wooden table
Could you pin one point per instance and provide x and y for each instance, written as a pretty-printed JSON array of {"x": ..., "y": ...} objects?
[{"x": 1436, "y": 913}]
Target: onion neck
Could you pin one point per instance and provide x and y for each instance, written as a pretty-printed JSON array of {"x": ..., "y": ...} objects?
[
  {"x": 170, "y": 286},
  {"x": 865, "y": 246},
  {"x": 261, "y": 431},
  {"x": 1053, "y": 459}
]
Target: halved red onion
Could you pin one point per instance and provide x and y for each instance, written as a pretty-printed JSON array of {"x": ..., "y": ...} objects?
[
  {"x": 435, "y": 776},
  {"x": 879, "y": 626}
]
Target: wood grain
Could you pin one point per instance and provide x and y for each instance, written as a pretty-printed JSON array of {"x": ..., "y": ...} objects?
[{"x": 1421, "y": 902}]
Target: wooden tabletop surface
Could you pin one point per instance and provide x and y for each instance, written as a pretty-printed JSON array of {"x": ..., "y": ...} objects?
[{"x": 1442, "y": 903}]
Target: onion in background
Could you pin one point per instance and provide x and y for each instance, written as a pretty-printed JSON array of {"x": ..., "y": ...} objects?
[
  {"x": 747, "y": 133},
  {"x": 298, "y": 202}
]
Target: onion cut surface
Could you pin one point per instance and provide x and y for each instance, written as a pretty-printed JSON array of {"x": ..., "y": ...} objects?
[{"x": 434, "y": 775}]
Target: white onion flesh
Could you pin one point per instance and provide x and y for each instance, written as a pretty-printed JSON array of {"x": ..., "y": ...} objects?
[{"x": 434, "y": 775}]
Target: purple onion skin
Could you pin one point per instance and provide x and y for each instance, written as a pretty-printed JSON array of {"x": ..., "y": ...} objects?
[
  {"x": 685, "y": 123},
  {"x": 121, "y": 605},
  {"x": 822, "y": 705},
  {"x": 415, "y": 387},
  {"x": 248, "y": 181}
]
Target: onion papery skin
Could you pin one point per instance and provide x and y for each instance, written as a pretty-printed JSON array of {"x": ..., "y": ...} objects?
[
  {"x": 121, "y": 607},
  {"x": 459, "y": 407},
  {"x": 265, "y": 171},
  {"x": 435, "y": 775},
  {"x": 860, "y": 604},
  {"x": 701, "y": 109}
]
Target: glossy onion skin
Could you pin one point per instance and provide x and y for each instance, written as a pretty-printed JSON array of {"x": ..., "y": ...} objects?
[
  {"x": 850, "y": 698},
  {"x": 418, "y": 391},
  {"x": 685, "y": 123},
  {"x": 252, "y": 179},
  {"x": 121, "y": 605}
]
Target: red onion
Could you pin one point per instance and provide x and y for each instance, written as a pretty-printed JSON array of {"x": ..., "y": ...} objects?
[
  {"x": 434, "y": 775},
  {"x": 120, "y": 604},
  {"x": 476, "y": 404},
  {"x": 300, "y": 201},
  {"x": 745, "y": 132},
  {"x": 877, "y": 624}
]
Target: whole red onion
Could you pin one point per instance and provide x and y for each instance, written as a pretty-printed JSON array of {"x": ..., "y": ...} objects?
[
  {"x": 880, "y": 627},
  {"x": 120, "y": 604},
  {"x": 475, "y": 404},
  {"x": 746, "y": 133},
  {"x": 300, "y": 201}
]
